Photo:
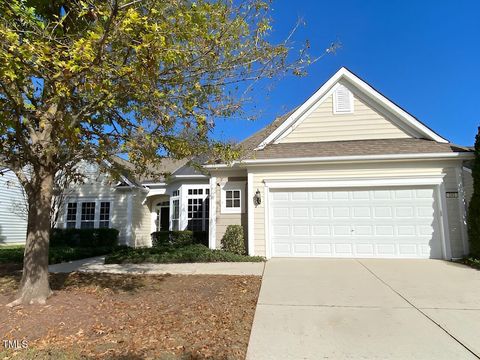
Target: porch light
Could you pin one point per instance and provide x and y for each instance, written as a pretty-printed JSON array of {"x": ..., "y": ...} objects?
[{"x": 257, "y": 198}]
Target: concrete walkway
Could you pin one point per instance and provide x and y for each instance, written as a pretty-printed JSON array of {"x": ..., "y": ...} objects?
[
  {"x": 96, "y": 264},
  {"x": 366, "y": 309}
]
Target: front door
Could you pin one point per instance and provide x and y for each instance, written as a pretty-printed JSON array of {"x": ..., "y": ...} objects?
[{"x": 163, "y": 216}]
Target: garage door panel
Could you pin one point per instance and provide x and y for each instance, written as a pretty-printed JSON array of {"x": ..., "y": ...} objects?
[
  {"x": 355, "y": 223},
  {"x": 365, "y": 249}
]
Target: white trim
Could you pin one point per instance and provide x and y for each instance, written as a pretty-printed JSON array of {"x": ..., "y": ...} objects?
[
  {"x": 78, "y": 215},
  {"x": 232, "y": 186},
  {"x": 462, "y": 211},
  {"x": 129, "y": 225},
  {"x": 343, "y": 73},
  {"x": 123, "y": 177},
  {"x": 184, "y": 202},
  {"x": 251, "y": 215},
  {"x": 359, "y": 182},
  {"x": 453, "y": 155},
  {"x": 212, "y": 220},
  {"x": 154, "y": 184},
  {"x": 268, "y": 243},
  {"x": 364, "y": 158},
  {"x": 467, "y": 169},
  {"x": 444, "y": 229},
  {"x": 153, "y": 219}
]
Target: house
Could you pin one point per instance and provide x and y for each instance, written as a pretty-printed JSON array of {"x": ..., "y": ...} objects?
[
  {"x": 13, "y": 209},
  {"x": 348, "y": 173}
]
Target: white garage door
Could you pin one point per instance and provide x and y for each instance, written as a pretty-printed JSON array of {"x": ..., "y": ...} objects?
[{"x": 382, "y": 223}]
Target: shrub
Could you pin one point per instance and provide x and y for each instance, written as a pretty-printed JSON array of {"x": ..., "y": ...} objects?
[
  {"x": 84, "y": 237},
  {"x": 182, "y": 254},
  {"x": 200, "y": 237},
  {"x": 233, "y": 240},
  {"x": 179, "y": 238},
  {"x": 160, "y": 238},
  {"x": 474, "y": 206}
]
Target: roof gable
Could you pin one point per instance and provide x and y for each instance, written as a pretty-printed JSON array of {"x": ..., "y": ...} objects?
[
  {"x": 323, "y": 123},
  {"x": 399, "y": 118}
]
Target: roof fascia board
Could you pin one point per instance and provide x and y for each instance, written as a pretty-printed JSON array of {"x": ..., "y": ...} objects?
[
  {"x": 302, "y": 109},
  {"x": 306, "y": 114},
  {"x": 395, "y": 109},
  {"x": 427, "y": 156},
  {"x": 321, "y": 94},
  {"x": 363, "y": 158},
  {"x": 123, "y": 177}
]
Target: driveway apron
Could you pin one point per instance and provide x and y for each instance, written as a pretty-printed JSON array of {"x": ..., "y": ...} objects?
[{"x": 366, "y": 309}]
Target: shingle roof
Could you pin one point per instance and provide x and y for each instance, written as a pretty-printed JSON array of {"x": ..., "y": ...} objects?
[
  {"x": 355, "y": 147},
  {"x": 165, "y": 165},
  {"x": 250, "y": 143}
]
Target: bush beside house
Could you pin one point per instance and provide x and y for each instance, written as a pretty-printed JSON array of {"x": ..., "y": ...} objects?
[
  {"x": 179, "y": 238},
  {"x": 103, "y": 237},
  {"x": 233, "y": 240},
  {"x": 175, "y": 254},
  {"x": 68, "y": 245},
  {"x": 474, "y": 206}
]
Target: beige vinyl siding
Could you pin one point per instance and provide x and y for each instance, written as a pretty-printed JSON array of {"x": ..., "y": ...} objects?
[
  {"x": 141, "y": 220},
  {"x": 98, "y": 190},
  {"x": 364, "y": 123},
  {"x": 350, "y": 171},
  {"x": 223, "y": 220},
  {"x": 13, "y": 208}
]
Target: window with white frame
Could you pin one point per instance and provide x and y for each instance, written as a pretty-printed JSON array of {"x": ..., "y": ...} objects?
[
  {"x": 71, "y": 220},
  {"x": 232, "y": 197},
  {"x": 88, "y": 214},
  {"x": 104, "y": 221},
  {"x": 176, "y": 214},
  {"x": 198, "y": 208}
]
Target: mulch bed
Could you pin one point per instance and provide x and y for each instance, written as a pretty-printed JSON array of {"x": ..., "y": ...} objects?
[{"x": 105, "y": 316}]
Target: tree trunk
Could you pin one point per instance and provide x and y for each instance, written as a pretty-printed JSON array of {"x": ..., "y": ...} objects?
[{"x": 34, "y": 286}]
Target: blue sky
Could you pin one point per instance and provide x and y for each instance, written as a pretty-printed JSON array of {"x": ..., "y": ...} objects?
[{"x": 424, "y": 55}]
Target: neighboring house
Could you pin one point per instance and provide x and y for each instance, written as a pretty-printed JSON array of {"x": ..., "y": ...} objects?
[
  {"x": 13, "y": 216},
  {"x": 346, "y": 174}
]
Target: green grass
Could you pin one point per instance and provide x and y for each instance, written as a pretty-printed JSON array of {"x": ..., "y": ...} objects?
[
  {"x": 174, "y": 254},
  {"x": 471, "y": 261},
  {"x": 57, "y": 254}
]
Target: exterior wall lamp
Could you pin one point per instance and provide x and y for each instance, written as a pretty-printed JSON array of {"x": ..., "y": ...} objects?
[{"x": 257, "y": 198}]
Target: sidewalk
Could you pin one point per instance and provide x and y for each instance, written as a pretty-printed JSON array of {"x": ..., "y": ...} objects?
[{"x": 96, "y": 264}]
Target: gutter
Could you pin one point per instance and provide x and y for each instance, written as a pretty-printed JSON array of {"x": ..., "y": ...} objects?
[{"x": 364, "y": 158}]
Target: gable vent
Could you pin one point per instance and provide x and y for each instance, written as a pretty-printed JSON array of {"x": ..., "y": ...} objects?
[{"x": 342, "y": 100}]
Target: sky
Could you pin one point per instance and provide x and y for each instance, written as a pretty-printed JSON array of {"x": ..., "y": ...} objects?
[{"x": 424, "y": 55}]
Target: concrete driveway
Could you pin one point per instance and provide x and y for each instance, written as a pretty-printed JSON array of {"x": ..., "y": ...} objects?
[{"x": 367, "y": 309}]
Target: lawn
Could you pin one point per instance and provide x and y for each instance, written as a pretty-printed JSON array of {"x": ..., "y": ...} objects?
[
  {"x": 176, "y": 254},
  {"x": 105, "y": 316},
  {"x": 57, "y": 254}
]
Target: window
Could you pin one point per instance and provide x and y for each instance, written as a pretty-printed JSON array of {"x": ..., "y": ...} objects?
[
  {"x": 197, "y": 209},
  {"x": 175, "y": 214},
  {"x": 88, "y": 215},
  {"x": 104, "y": 215},
  {"x": 232, "y": 197},
  {"x": 176, "y": 193},
  {"x": 342, "y": 100},
  {"x": 71, "y": 215}
]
